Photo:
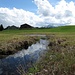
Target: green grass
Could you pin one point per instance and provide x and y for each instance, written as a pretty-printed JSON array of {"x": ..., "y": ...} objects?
[
  {"x": 56, "y": 29},
  {"x": 64, "y": 29},
  {"x": 8, "y": 35},
  {"x": 60, "y": 58}
]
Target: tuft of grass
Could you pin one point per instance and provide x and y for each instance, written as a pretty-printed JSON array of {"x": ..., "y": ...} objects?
[{"x": 33, "y": 69}]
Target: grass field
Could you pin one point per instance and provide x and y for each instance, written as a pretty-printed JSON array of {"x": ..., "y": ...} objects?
[
  {"x": 65, "y": 29},
  {"x": 60, "y": 58},
  {"x": 6, "y": 35}
]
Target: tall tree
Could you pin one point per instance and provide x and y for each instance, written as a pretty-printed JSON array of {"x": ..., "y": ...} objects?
[{"x": 1, "y": 27}]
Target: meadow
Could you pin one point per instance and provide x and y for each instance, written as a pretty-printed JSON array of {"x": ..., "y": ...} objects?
[
  {"x": 60, "y": 58},
  {"x": 7, "y": 35}
]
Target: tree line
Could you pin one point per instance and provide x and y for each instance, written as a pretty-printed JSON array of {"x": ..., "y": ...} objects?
[{"x": 23, "y": 26}]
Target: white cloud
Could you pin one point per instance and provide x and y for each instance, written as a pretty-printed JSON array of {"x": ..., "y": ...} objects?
[
  {"x": 44, "y": 7},
  {"x": 62, "y": 13},
  {"x": 17, "y": 17}
]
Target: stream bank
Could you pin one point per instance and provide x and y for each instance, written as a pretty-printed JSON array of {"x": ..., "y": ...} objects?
[
  {"x": 59, "y": 59},
  {"x": 24, "y": 59},
  {"x": 14, "y": 45}
]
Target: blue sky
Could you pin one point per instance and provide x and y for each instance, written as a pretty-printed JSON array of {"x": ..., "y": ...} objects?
[
  {"x": 37, "y": 12},
  {"x": 25, "y": 4}
]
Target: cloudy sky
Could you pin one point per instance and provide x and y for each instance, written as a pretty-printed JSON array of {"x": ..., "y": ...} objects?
[{"x": 37, "y": 12}]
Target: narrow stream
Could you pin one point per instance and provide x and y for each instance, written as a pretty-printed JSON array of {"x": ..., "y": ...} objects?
[{"x": 23, "y": 59}]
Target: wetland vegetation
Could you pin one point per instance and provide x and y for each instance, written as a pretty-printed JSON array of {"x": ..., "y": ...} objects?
[{"x": 60, "y": 57}]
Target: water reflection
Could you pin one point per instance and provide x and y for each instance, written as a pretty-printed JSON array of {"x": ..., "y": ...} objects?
[{"x": 25, "y": 58}]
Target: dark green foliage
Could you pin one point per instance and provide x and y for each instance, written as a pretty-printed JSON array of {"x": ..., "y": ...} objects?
[
  {"x": 1, "y": 27},
  {"x": 11, "y": 28},
  {"x": 23, "y": 26}
]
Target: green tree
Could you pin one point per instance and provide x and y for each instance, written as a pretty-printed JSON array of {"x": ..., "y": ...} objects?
[{"x": 1, "y": 27}]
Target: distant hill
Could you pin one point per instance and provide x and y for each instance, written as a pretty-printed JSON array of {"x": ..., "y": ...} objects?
[
  {"x": 52, "y": 25},
  {"x": 69, "y": 28},
  {"x": 24, "y": 26},
  {"x": 49, "y": 26},
  {"x": 11, "y": 27}
]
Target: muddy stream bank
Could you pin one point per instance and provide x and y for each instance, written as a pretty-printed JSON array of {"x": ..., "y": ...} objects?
[
  {"x": 24, "y": 58},
  {"x": 15, "y": 45}
]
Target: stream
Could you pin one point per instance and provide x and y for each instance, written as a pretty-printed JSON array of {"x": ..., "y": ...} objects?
[{"x": 23, "y": 59}]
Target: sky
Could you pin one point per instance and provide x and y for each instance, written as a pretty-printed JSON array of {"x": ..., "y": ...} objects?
[{"x": 37, "y": 13}]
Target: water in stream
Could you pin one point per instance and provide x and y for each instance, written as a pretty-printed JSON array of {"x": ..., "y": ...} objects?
[{"x": 24, "y": 58}]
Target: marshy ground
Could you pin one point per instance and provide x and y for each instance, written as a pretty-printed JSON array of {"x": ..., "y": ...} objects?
[{"x": 60, "y": 58}]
